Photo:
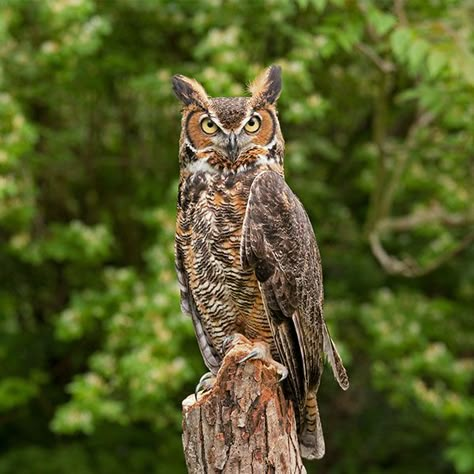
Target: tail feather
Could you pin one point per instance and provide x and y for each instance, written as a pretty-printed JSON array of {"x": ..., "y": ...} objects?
[{"x": 312, "y": 438}]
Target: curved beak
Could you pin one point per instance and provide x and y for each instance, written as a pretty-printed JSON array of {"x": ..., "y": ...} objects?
[{"x": 232, "y": 146}]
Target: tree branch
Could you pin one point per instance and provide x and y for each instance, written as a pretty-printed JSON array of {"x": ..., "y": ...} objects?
[
  {"x": 408, "y": 267},
  {"x": 435, "y": 215},
  {"x": 243, "y": 424},
  {"x": 399, "y": 8},
  {"x": 383, "y": 65}
]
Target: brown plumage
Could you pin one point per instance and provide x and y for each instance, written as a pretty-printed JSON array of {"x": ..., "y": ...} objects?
[{"x": 246, "y": 254}]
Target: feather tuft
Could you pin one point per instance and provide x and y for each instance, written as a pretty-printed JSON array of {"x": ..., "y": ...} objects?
[
  {"x": 266, "y": 88},
  {"x": 189, "y": 91}
]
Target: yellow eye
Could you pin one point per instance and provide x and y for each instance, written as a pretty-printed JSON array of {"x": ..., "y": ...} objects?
[
  {"x": 253, "y": 124},
  {"x": 208, "y": 126}
]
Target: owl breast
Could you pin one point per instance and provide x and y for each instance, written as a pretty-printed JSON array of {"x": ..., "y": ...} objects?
[{"x": 211, "y": 210}]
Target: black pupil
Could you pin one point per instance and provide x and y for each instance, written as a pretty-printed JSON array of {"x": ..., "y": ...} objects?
[
  {"x": 210, "y": 123},
  {"x": 252, "y": 122}
]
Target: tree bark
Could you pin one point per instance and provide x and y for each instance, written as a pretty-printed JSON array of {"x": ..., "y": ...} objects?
[{"x": 243, "y": 424}]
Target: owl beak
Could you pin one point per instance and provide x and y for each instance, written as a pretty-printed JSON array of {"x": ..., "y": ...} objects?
[{"x": 232, "y": 146}]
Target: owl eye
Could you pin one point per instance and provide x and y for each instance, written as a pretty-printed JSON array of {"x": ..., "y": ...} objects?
[
  {"x": 208, "y": 126},
  {"x": 253, "y": 124}
]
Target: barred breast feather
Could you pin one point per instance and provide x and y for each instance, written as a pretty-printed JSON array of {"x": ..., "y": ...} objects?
[{"x": 221, "y": 296}]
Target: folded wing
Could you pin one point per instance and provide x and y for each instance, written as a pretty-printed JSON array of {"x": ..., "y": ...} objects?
[{"x": 278, "y": 242}]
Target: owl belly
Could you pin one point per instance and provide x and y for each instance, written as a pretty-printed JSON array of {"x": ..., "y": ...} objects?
[
  {"x": 227, "y": 298},
  {"x": 230, "y": 302}
]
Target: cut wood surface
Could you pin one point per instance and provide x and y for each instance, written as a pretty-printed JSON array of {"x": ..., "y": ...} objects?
[{"x": 243, "y": 424}]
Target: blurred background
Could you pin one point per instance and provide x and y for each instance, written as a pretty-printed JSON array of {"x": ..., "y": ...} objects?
[{"x": 378, "y": 113}]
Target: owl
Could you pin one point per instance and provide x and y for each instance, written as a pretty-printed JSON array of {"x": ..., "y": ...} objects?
[{"x": 246, "y": 255}]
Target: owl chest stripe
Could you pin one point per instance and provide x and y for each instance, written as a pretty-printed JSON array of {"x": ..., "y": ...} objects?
[{"x": 228, "y": 297}]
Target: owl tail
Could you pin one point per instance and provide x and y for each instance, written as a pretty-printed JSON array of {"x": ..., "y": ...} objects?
[{"x": 311, "y": 439}]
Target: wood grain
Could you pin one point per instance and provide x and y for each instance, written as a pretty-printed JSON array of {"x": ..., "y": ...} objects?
[{"x": 243, "y": 424}]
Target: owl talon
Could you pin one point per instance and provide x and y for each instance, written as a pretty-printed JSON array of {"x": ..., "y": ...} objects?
[
  {"x": 228, "y": 342},
  {"x": 283, "y": 371},
  {"x": 255, "y": 354},
  {"x": 206, "y": 382},
  {"x": 262, "y": 352},
  {"x": 231, "y": 340}
]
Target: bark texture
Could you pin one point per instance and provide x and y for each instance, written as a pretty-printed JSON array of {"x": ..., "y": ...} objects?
[{"x": 243, "y": 424}]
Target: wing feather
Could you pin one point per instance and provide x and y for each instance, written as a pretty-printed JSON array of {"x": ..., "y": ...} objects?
[
  {"x": 335, "y": 360},
  {"x": 278, "y": 242}
]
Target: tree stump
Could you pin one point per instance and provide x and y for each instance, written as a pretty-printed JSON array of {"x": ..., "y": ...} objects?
[{"x": 243, "y": 424}]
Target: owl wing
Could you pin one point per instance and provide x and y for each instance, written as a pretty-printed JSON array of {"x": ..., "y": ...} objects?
[
  {"x": 278, "y": 242},
  {"x": 188, "y": 306}
]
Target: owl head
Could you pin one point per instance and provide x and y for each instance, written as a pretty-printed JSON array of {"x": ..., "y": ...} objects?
[{"x": 230, "y": 133}]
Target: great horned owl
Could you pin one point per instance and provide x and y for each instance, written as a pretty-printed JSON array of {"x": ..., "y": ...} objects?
[{"x": 246, "y": 254}]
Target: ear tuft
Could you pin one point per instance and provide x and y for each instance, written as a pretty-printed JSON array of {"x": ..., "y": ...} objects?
[
  {"x": 267, "y": 87},
  {"x": 189, "y": 91}
]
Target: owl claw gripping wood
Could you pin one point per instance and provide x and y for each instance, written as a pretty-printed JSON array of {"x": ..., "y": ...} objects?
[
  {"x": 261, "y": 351},
  {"x": 205, "y": 383},
  {"x": 246, "y": 254}
]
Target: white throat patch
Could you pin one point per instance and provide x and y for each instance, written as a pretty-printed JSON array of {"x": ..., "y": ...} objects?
[{"x": 200, "y": 165}]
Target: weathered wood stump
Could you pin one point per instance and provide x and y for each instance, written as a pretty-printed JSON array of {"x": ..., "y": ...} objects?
[{"x": 243, "y": 424}]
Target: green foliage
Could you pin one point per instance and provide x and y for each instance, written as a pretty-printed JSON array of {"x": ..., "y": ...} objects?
[
  {"x": 378, "y": 114},
  {"x": 420, "y": 347}
]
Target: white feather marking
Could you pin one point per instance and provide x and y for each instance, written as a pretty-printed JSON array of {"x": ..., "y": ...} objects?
[
  {"x": 182, "y": 287},
  {"x": 200, "y": 165},
  {"x": 181, "y": 279},
  {"x": 185, "y": 306},
  {"x": 264, "y": 160},
  {"x": 241, "y": 168},
  {"x": 188, "y": 144}
]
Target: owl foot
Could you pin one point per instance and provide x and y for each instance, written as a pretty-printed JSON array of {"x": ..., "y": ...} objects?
[
  {"x": 206, "y": 382},
  {"x": 262, "y": 351},
  {"x": 231, "y": 341}
]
